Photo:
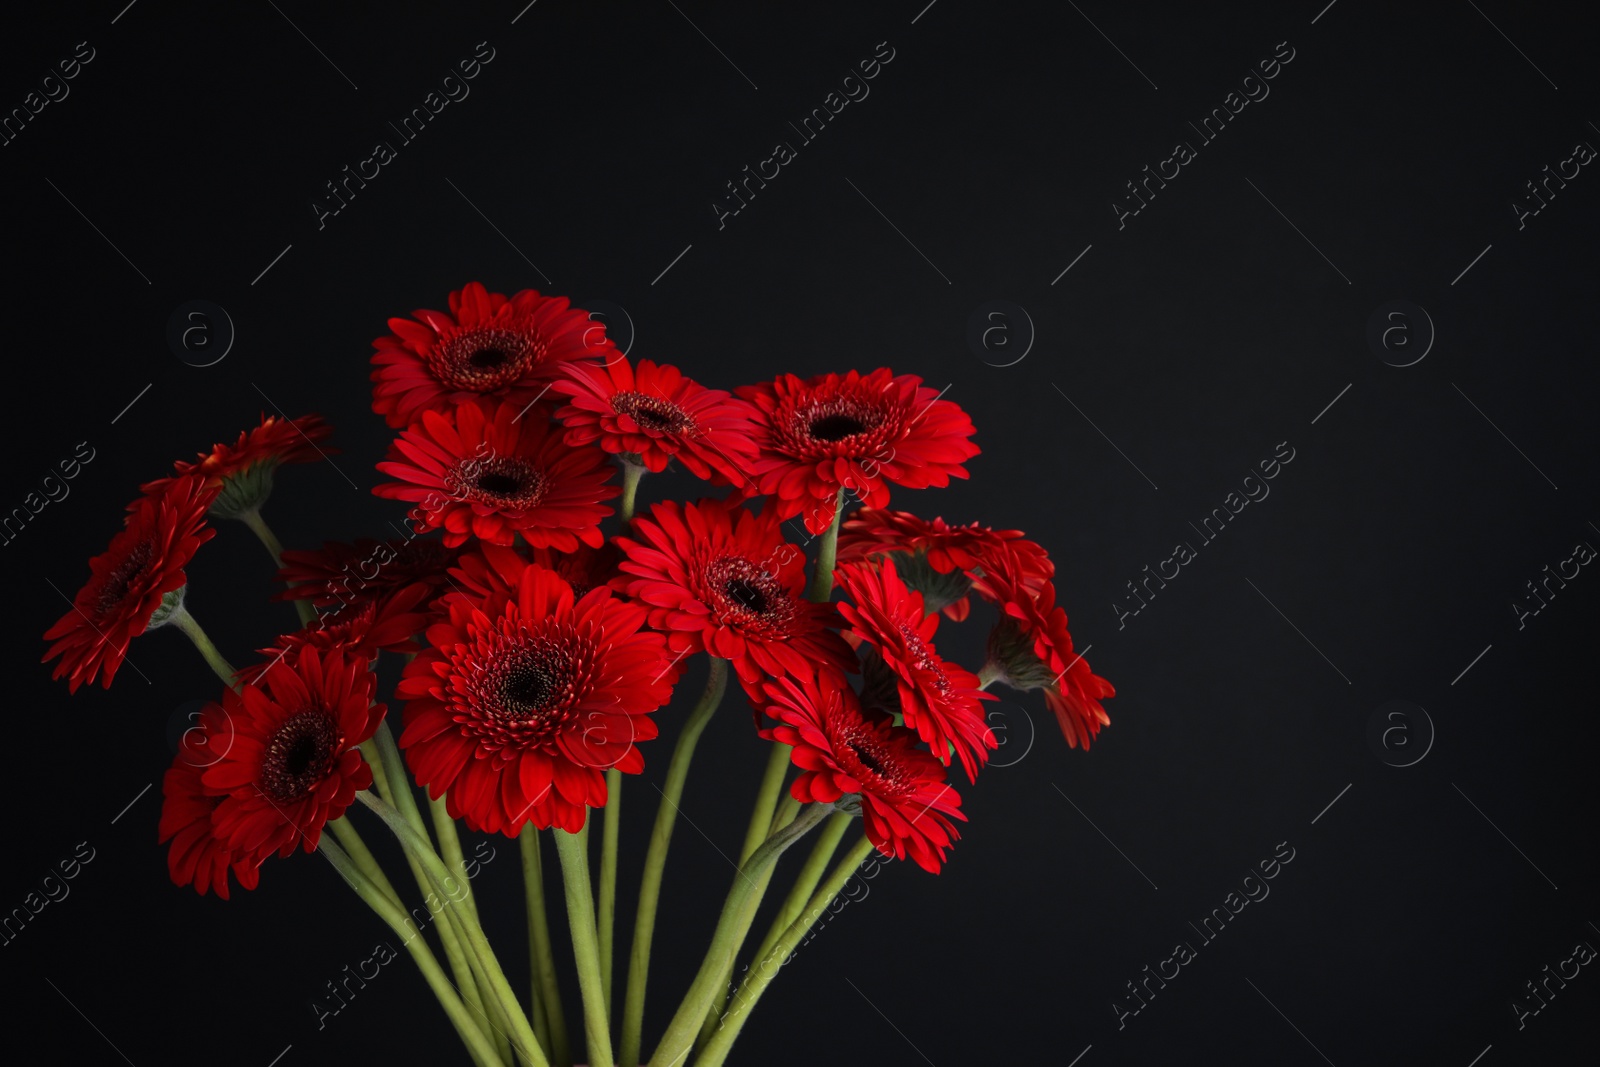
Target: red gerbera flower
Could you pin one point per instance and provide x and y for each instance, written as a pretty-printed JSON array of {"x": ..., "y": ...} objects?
[
  {"x": 353, "y": 574},
  {"x": 388, "y": 623},
  {"x": 196, "y": 857},
  {"x": 525, "y": 698},
  {"x": 293, "y": 763},
  {"x": 497, "y": 569},
  {"x": 655, "y": 413},
  {"x": 134, "y": 584},
  {"x": 242, "y": 473},
  {"x": 720, "y": 577},
  {"x": 906, "y": 804},
  {"x": 1032, "y": 649},
  {"x": 486, "y": 345},
  {"x": 855, "y": 432},
  {"x": 480, "y": 471},
  {"x": 940, "y": 700},
  {"x": 944, "y": 548}
]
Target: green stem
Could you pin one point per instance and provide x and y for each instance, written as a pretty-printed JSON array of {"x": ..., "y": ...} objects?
[
  {"x": 632, "y": 473},
  {"x": 444, "y": 828},
  {"x": 766, "y": 799},
  {"x": 482, "y": 1051},
  {"x": 542, "y": 957},
  {"x": 365, "y": 861},
  {"x": 827, "y": 555},
  {"x": 503, "y": 1001},
  {"x": 573, "y": 850},
  {"x": 805, "y": 882},
  {"x": 655, "y": 860},
  {"x": 685, "y": 1024},
  {"x": 786, "y": 814},
  {"x": 251, "y": 517},
  {"x": 181, "y": 618},
  {"x": 766, "y": 967},
  {"x": 403, "y": 800},
  {"x": 611, "y": 829}
]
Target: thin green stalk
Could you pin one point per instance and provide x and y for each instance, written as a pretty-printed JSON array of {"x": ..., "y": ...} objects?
[
  {"x": 762, "y": 972},
  {"x": 181, "y": 618},
  {"x": 573, "y": 850},
  {"x": 685, "y": 1024},
  {"x": 547, "y": 996},
  {"x": 345, "y": 831},
  {"x": 805, "y": 882},
  {"x": 482, "y": 1051},
  {"x": 785, "y": 814},
  {"x": 444, "y": 828},
  {"x": 655, "y": 860},
  {"x": 480, "y": 954},
  {"x": 404, "y": 801},
  {"x": 766, "y": 799},
  {"x": 610, "y": 832},
  {"x": 631, "y": 474},
  {"x": 827, "y": 556},
  {"x": 251, "y": 517}
]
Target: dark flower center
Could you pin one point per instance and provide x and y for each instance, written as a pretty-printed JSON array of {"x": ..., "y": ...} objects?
[
  {"x": 746, "y": 594},
  {"x": 484, "y": 359},
  {"x": 836, "y": 427},
  {"x": 299, "y": 755},
  {"x": 506, "y": 483},
  {"x": 119, "y": 581},
  {"x": 653, "y": 413},
  {"x": 867, "y": 758},
  {"x": 522, "y": 688}
]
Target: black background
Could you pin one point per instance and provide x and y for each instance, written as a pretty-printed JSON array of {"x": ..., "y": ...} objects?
[{"x": 1197, "y": 338}]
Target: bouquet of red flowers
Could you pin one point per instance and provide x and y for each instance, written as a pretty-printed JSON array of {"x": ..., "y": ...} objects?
[{"x": 544, "y": 628}]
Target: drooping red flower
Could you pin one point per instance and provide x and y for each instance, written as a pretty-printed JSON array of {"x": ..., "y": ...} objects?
[
  {"x": 906, "y": 803},
  {"x": 133, "y": 585},
  {"x": 940, "y": 700},
  {"x": 524, "y": 698},
  {"x": 1032, "y": 649},
  {"x": 487, "y": 345},
  {"x": 388, "y": 623},
  {"x": 720, "y": 577},
  {"x": 657, "y": 414},
  {"x": 196, "y": 857},
  {"x": 855, "y": 432},
  {"x": 351, "y": 574},
  {"x": 241, "y": 474},
  {"x": 292, "y": 764},
  {"x": 946, "y": 549},
  {"x": 480, "y": 471}
]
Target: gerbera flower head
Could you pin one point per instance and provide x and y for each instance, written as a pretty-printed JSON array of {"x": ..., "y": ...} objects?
[
  {"x": 524, "y": 698},
  {"x": 348, "y": 575},
  {"x": 940, "y": 700},
  {"x": 487, "y": 345},
  {"x": 134, "y": 585},
  {"x": 856, "y": 432},
  {"x": 1031, "y": 648},
  {"x": 938, "y": 559},
  {"x": 388, "y": 623},
  {"x": 906, "y": 803},
  {"x": 489, "y": 471},
  {"x": 293, "y": 762},
  {"x": 720, "y": 577},
  {"x": 196, "y": 857},
  {"x": 656, "y": 414},
  {"x": 241, "y": 474}
]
